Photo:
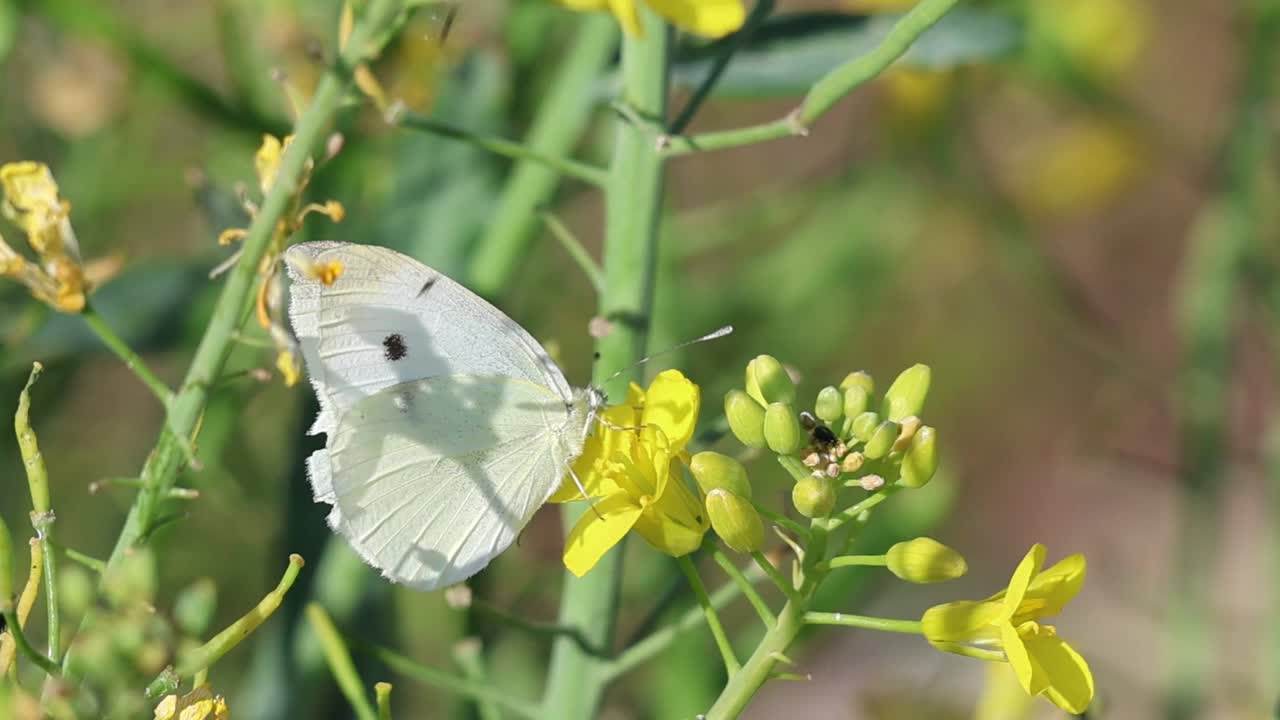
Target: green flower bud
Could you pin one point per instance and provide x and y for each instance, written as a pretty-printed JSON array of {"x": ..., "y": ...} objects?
[
  {"x": 858, "y": 379},
  {"x": 75, "y": 590},
  {"x": 907, "y": 393},
  {"x": 881, "y": 441},
  {"x": 714, "y": 471},
  {"x": 925, "y": 560},
  {"x": 864, "y": 425},
  {"x": 195, "y": 606},
  {"x": 920, "y": 461},
  {"x": 829, "y": 405},
  {"x": 782, "y": 431},
  {"x": 746, "y": 418},
  {"x": 856, "y": 400},
  {"x": 768, "y": 382},
  {"x": 814, "y": 496},
  {"x": 735, "y": 521}
]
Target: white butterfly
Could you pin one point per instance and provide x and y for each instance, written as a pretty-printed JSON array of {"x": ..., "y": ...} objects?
[{"x": 447, "y": 424}]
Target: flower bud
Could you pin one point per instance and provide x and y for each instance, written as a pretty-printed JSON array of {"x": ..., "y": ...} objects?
[
  {"x": 881, "y": 441},
  {"x": 782, "y": 431},
  {"x": 925, "y": 560},
  {"x": 195, "y": 606},
  {"x": 856, "y": 400},
  {"x": 829, "y": 405},
  {"x": 852, "y": 462},
  {"x": 735, "y": 521},
  {"x": 858, "y": 379},
  {"x": 864, "y": 425},
  {"x": 920, "y": 461},
  {"x": 746, "y": 418},
  {"x": 714, "y": 471},
  {"x": 814, "y": 496},
  {"x": 768, "y": 382},
  {"x": 907, "y": 393}
]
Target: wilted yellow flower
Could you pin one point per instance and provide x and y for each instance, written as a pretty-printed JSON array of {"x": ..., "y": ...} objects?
[
  {"x": 31, "y": 202},
  {"x": 630, "y": 468},
  {"x": 199, "y": 704},
  {"x": 1005, "y": 628},
  {"x": 708, "y": 18}
]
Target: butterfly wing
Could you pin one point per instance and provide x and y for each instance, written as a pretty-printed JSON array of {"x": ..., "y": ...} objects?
[{"x": 447, "y": 424}]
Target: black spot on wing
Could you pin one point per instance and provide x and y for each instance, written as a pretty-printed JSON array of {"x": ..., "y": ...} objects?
[
  {"x": 426, "y": 286},
  {"x": 394, "y": 347}
]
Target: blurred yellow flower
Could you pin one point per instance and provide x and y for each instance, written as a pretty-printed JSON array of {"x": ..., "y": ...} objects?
[
  {"x": 32, "y": 203},
  {"x": 708, "y": 18},
  {"x": 1004, "y": 628},
  {"x": 1082, "y": 166},
  {"x": 1103, "y": 38},
  {"x": 630, "y": 468},
  {"x": 199, "y": 704}
]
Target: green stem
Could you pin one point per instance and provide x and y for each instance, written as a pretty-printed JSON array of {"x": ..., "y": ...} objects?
[
  {"x": 851, "y": 513},
  {"x": 660, "y": 640},
  {"x": 1219, "y": 246},
  {"x": 778, "y": 518},
  {"x": 912, "y": 627},
  {"x": 731, "y": 46},
  {"x": 544, "y": 629},
  {"x": 506, "y": 148},
  {"x": 344, "y": 670},
  {"x": 446, "y": 681},
  {"x": 42, "y": 516},
  {"x": 557, "y": 127},
  {"x": 774, "y": 574},
  {"x": 576, "y": 251},
  {"x": 166, "y": 460},
  {"x": 825, "y": 93},
  {"x": 382, "y": 693},
  {"x": 131, "y": 360},
  {"x": 469, "y": 655},
  {"x": 743, "y": 685},
  {"x": 24, "y": 646},
  {"x": 735, "y": 574},
  {"x": 633, "y": 206},
  {"x": 852, "y": 560},
  {"x": 731, "y": 664}
]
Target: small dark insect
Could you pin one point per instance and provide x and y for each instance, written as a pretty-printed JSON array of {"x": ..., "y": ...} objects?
[
  {"x": 2, "y": 625},
  {"x": 394, "y": 346},
  {"x": 820, "y": 434}
]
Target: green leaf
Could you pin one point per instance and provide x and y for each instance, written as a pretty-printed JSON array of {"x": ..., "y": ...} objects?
[{"x": 789, "y": 53}]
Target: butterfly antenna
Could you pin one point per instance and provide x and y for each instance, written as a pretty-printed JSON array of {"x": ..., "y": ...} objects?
[
  {"x": 709, "y": 336},
  {"x": 577, "y": 482}
]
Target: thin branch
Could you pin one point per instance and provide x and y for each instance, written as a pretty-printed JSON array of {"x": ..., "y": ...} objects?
[
  {"x": 863, "y": 621},
  {"x": 585, "y": 172},
  {"x": 537, "y": 628},
  {"x": 825, "y": 93},
  {"x": 469, "y": 655},
  {"x": 448, "y": 681},
  {"x": 731, "y": 664},
  {"x": 777, "y": 577},
  {"x": 571, "y": 245},
  {"x": 131, "y": 360},
  {"x": 753, "y": 597},
  {"x": 731, "y": 46},
  {"x": 339, "y": 658}
]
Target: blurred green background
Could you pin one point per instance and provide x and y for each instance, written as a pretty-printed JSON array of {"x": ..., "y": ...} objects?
[{"x": 1013, "y": 206}]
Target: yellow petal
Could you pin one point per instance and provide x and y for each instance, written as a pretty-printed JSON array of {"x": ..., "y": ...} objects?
[
  {"x": 1070, "y": 683},
  {"x": 675, "y": 522},
  {"x": 605, "y": 442},
  {"x": 168, "y": 708},
  {"x": 598, "y": 530},
  {"x": 1021, "y": 580},
  {"x": 1054, "y": 588},
  {"x": 962, "y": 621},
  {"x": 1020, "y": 660},
  {"x": 581, "y": 5},
  {"x": 267, "y": 160},
  {"x": 708, "y": 18},
  {"x": 672, "y": 404},
  {"x": 628, "y": 16}
]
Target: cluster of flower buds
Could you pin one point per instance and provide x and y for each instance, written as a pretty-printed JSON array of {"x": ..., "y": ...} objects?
[
  {"x": 727, "y": 494},
  {"x": 842, "y": 441}
]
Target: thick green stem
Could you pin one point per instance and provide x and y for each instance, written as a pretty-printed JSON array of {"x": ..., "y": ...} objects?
[
  {"x": 558, "y": 126},
  {"x": 166, "y": 460},
  {"x": 633, "y": 206},
  {"x": 744, "y": 684}
]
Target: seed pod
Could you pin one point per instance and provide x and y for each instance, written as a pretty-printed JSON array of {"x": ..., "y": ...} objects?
[
  {"x": 925, "y": 560},
  {"x": 782, "y": 431},
  {"x": 920, "y": 461},
  {"x": 746, "y": 418},
  {"x": 735, "y": 521},
  {"x": 814, "y": 496},
  {"x": 768, "y": 382},
  {"x": 881, "y": 441},
  {"x": 714, "y": 471},
  {"x": 830, "y": 404},
  {"x": 907, "y": 393}
]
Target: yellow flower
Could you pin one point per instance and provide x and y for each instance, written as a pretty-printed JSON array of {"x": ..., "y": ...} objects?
[
  {"x": 32, "y": 203},
  {"x": 708, "y": 18},
  {"x": 199, "y": 704},
  {"x": 630, "y": 467},
  {"x": 1005, "y": 628}
]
